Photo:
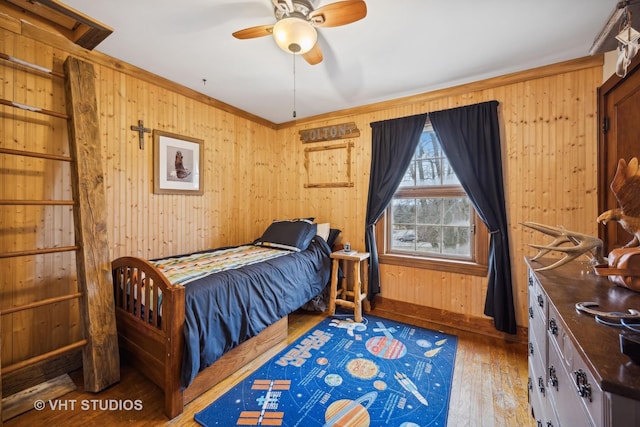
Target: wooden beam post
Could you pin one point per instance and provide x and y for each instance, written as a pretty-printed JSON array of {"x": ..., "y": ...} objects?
[
  {"x": 101, "y": 361},
  {"x": 1, "y": 405}
]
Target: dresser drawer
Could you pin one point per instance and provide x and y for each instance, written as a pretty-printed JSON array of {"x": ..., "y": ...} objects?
[
  {"x": 538, "y": 394},
  {"x": 537, "y": 335},
  {"x": 536, "y": 403},
  {"x": 537, "y": 297},
  {"x": 586, "y": 387},
  {"x": 563, "y": 393},
  {"x": 537, "y": 320},
  {"x": 556, "y": 332},
  {"x": 580, "y": 377}
]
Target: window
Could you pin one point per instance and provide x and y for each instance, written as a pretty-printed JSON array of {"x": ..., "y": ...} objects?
[{"x": 430, "y": 222}]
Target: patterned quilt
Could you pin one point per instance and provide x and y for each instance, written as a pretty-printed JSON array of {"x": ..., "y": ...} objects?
[{"x": 185, "y": 269}]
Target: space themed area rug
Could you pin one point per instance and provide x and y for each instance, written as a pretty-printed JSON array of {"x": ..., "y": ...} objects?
[{"x": 341, "y": 373}]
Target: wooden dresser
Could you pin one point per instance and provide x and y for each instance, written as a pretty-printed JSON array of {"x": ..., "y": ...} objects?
[{"x": 577, "y": 374}]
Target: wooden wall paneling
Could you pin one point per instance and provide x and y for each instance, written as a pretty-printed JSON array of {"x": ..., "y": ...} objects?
[
  {"x": 175, "y": 224},
  {"x": 533, "y": 162},
  {"x": 548, "y": 136},
  {"x": 26, "y": 227},
  {"x": 167, "y": 226},
  {"x": 567, "y": 148},
  {"x": 136, "y": 166},
  {"x": 35, "y": 133},
  {"x": 7, "y": 217},
  {"x": 138, "y": 108},
  {"x": 233, "y": 183},
  {"x": 590, "y": 137}
]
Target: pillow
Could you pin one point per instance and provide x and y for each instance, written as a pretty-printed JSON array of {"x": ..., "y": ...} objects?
[
  {"x": 323, "y": 230},
  {"x": 333, "y": 236},
  {"x": 309, "y": 220},
  {"x": 291, "y": 235}
]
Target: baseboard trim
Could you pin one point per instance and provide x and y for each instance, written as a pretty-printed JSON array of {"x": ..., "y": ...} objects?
[{"x": 412, "y": 313}]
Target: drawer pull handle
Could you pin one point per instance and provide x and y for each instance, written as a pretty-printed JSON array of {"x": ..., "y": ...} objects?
[
  {"x": 541, "y": 385},
  {"x": 540, "y": 301},
  {"x": 553, "y": 378},
  {"x": 553, "y": 326},
  {"x": 582, "y": 384}
]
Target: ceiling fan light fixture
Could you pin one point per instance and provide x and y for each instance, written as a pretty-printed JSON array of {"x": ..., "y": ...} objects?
[{"x": 295, "y": 35}]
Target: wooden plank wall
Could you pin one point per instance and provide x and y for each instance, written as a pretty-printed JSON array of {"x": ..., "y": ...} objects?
[
  {"x": 254, "y": 172},
  {"x": 27, "y": 279},
  {"x": 237, "y": 205},
  {"x": 549, "y": 137}
]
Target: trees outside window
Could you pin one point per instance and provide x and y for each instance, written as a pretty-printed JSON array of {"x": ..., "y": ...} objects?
[{"x": 431, "y": 222}]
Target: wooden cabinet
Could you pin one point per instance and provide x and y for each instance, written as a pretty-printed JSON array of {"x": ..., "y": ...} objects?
[
  {"x": 618, "y": 112},
  {"x": 577, "y": 373}
]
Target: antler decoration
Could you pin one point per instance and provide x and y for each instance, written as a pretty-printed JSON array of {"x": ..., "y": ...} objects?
[{"x": 583, "y": 244}]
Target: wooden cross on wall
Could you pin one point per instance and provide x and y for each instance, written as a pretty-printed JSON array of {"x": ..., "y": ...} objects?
[{"x": 141, "y": 131}]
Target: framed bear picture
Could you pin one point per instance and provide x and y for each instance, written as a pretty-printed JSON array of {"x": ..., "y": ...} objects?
[{"x": 177, "y": 164}]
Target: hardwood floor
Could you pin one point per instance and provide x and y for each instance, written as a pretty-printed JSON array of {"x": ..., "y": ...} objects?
[{"x": 489, "y": 388}]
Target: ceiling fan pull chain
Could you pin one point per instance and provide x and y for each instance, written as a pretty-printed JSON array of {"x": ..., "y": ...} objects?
[{"x": 294, "y": 86}]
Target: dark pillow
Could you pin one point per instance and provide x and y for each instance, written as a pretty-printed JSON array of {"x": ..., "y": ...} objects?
[
  {"x": 309, "y": 219},
  {"x": 291, "y": 235},
  {"x": 333, "y": 235}
]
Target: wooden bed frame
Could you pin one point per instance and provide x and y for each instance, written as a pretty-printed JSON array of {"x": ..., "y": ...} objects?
[{"x": 155, "y": 347}]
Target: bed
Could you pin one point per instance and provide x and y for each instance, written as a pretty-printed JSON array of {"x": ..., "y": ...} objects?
[{"x": 188, "y": 321}]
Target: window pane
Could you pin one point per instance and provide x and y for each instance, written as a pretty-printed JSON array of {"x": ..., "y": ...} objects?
[
  {"x": 456, "y": 211},
  {"x": 431, "y": 226},
  {"x": 456, "y": 241},
  {"x": 403, "y": 211},
  {"x": 409, "y": 178},
  {"x": 429, "y": 238},
  {"x": 428, "y": 146},
  {"x": 403, "y": 237},
  {"x": 449, "y": 176},
  {"x": 429, "y": 172},
  {"x": 429, "y": 211},
  {"x": 429, "y": 222}
]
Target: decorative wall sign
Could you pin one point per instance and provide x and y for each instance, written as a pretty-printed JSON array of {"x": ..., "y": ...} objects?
[
  {"x": 177, "y": 164},
  {"x": 330, "y": 133}
]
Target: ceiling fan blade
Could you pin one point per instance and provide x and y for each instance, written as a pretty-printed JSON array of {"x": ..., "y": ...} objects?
[
  {"x": 253, "y": 32},
  {"x": 339, "y": 13},
  {"x": 314, "y": 56}
]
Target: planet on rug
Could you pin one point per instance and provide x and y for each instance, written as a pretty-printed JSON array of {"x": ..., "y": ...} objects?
[{"x": 377, "y": 372}]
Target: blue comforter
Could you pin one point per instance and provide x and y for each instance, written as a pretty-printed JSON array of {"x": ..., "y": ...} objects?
[{"x": 224, "y": 309}]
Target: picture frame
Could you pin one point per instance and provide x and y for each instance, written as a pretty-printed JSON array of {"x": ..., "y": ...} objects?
[{"x": 177, "y": 164}]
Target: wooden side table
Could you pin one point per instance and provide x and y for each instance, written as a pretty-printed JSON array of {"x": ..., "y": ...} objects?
[{"x": 358, "y": 275}]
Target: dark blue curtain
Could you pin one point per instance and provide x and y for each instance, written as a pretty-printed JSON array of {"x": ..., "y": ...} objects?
[
  {"x": 470, "y": 137},
  {"x": 393, "y": 143}
]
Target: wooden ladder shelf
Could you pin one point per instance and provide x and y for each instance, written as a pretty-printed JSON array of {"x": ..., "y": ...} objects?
[{"x": 101, "y": 362}]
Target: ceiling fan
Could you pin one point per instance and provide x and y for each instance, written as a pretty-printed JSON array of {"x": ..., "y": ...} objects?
[{"x": 296, "y": 21}]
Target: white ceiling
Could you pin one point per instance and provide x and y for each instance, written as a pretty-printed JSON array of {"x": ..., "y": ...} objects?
[{"x": 401, "y": 48}]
